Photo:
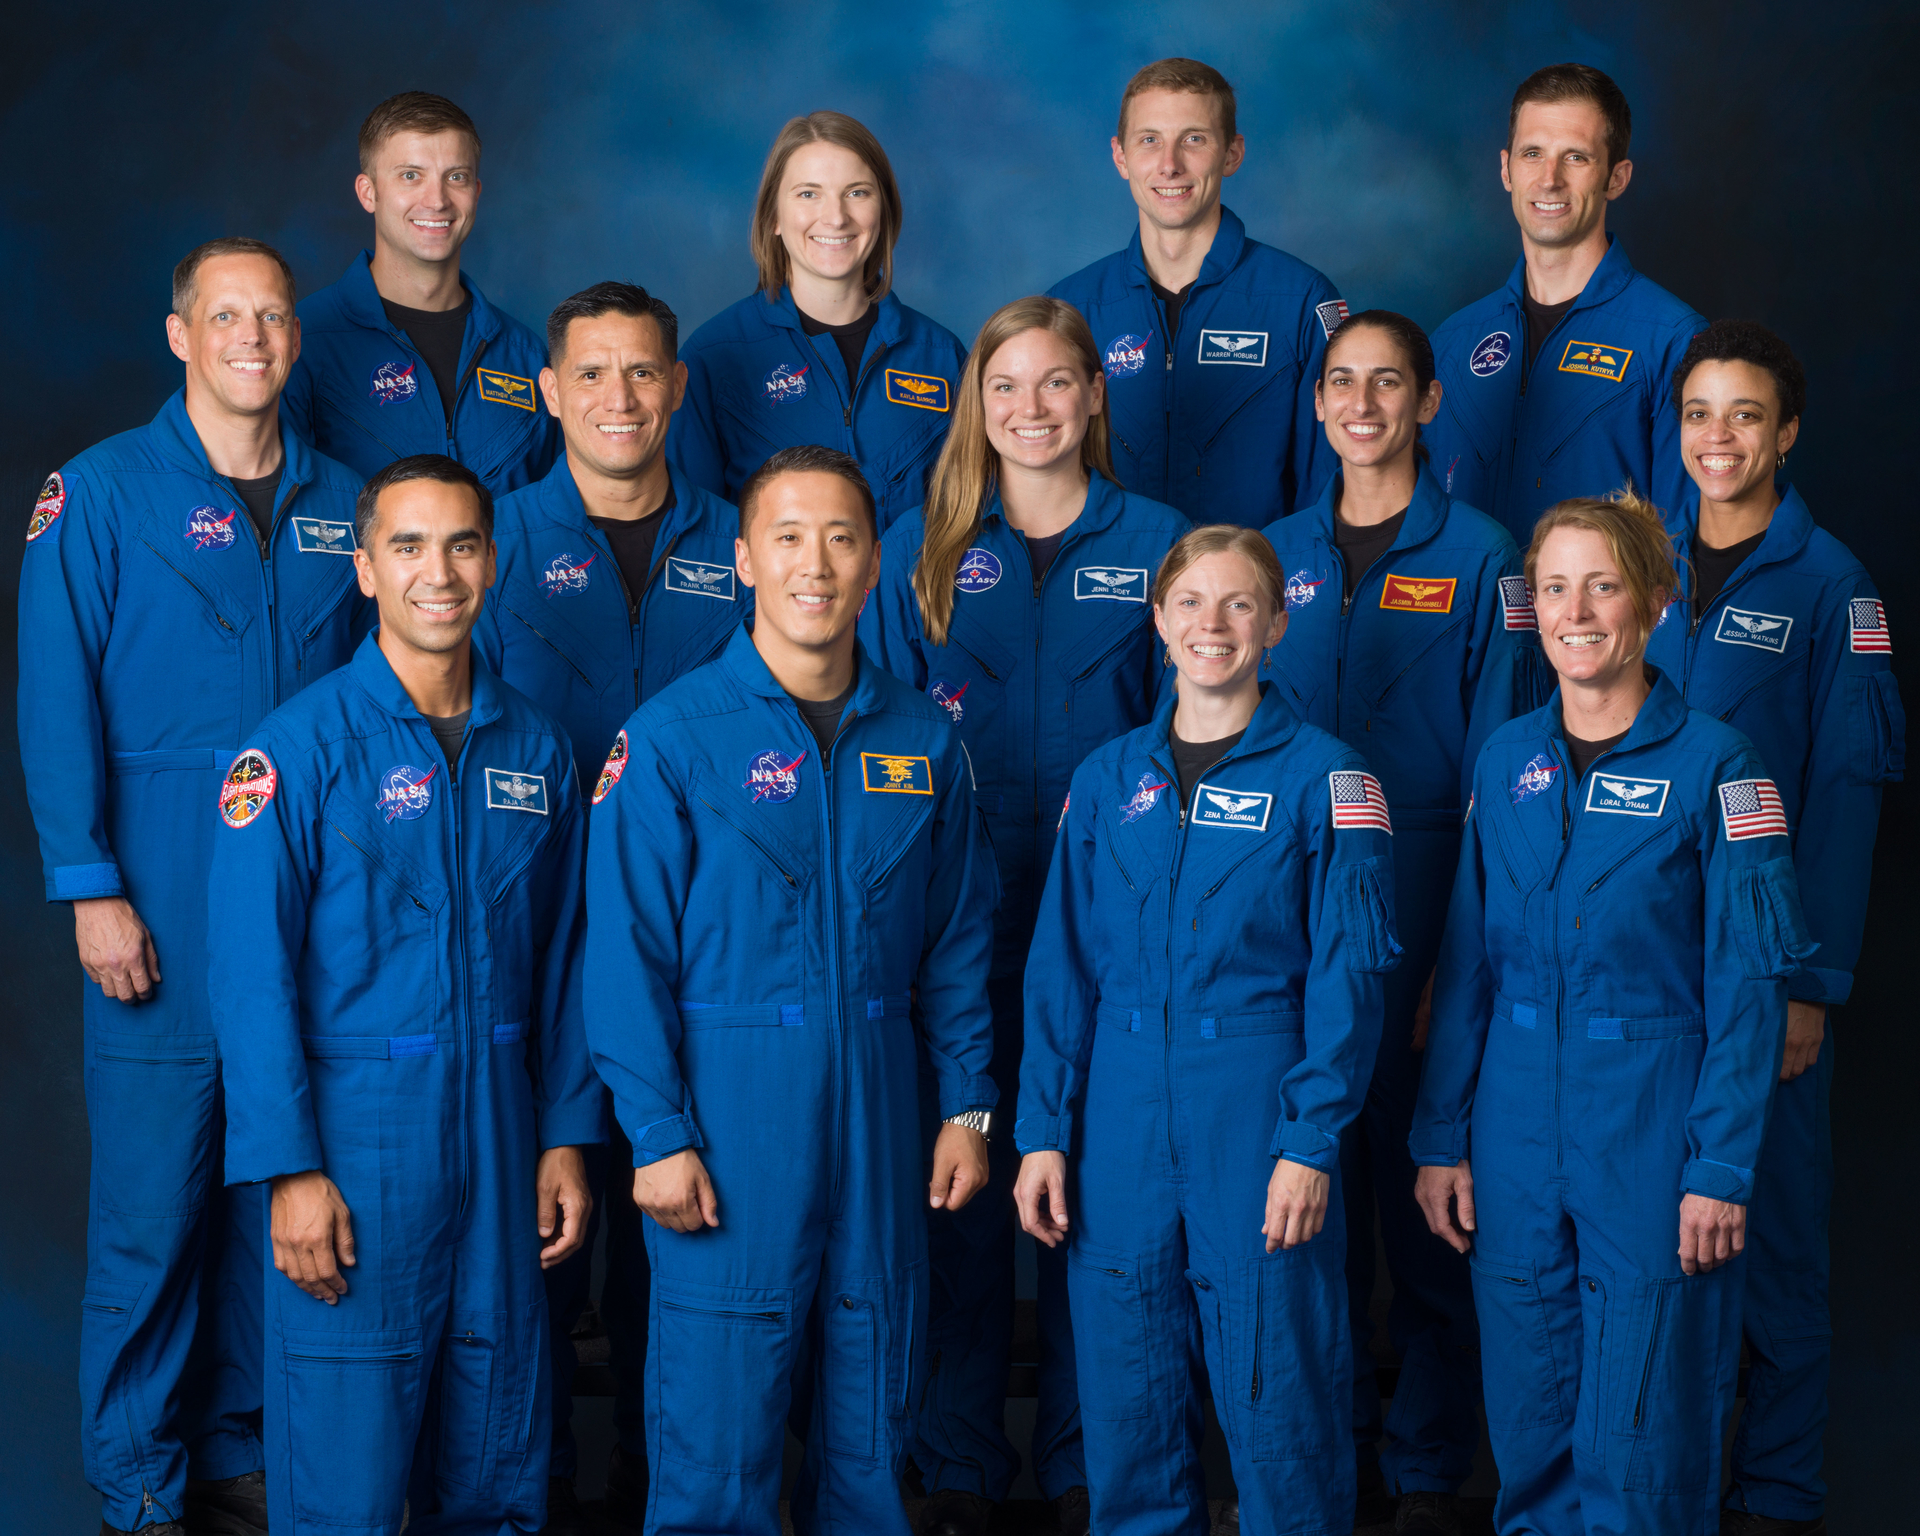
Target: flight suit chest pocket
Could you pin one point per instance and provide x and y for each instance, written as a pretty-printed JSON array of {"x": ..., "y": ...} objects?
[
  {"x": 746, "y": 862},
  {"x": 397, "y": 910},
  {"x": 891, "y": 865},
  {"x": 505, "y": 890}
]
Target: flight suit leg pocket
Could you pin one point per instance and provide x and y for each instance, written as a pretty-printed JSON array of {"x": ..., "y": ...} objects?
[
  {"x": 354, "y": 1403},
  {"x": 471, "y": 1367},
  {"x": 106, "y": 1312},
  {"x": 852, "y": 1372},
  {"x": 1522, "y": 1387},
  {"x": 1666, "y": 1385},
  {"x": 1291, "y": 1323},
  {"x": 719, "y": 1362},
  {"x": 1112, "y": 1349},
  {"x": 150, "y": 1102},
  {"x": 1590, "y": 1411}
]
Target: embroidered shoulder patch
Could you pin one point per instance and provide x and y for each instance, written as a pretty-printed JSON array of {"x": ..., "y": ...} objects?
[
  {"x": 248, "y": 786},
  {"x": 1866, "y": 626},
  {"x": 47, "y": 506},
  {"x": 1516, "y": 602},
  {"x": 616, "y": 765},
  {"x": 1331, "y": 314},
  {"x": 1752, "y": 808},
  {"x": 1358, "y": 800}
]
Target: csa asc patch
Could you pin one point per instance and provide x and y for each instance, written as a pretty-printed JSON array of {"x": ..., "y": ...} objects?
[
  {"x": 314, "y": 536},
  {"x": 405, "y": 792},
  {"x": 393, "y": 382},
  {"x": 504, "y": 388},
  {"x": 1411, "y": 594},
  {"x": 1331, "y": 314},
  {"x": 923, "y": 391},
  {"x": 1491, "y": 355},
  {"x": 1113, "y": 583},
  {"x": 1764, "y": 631},
  {"x": 784, "y": 384},
  {"x": 566, "y": 572},
  {"x": 615, "y": 766},
  {"x": 1752, "y": 808},
  {"x": 948, "y": 697},
  {"x": 881, "y": 773},
  {"x": 1517, "y": 603},
  {"x": 1596, "y": 358},
  {"x": 774, "y": 776},
  {"x": 511, "y": 791},
  {"x": 1146, "y": 795},
  {"x": 979, "y": 571},
  {"x": 1302, "y": 588},
  {"x": 1535, "y": 779},
  {"x": 1358, "y": 800},
  {"x": 48, "y": 505},
  {"x": 207, "y": 529},
  {"x": 1214, "y": 805},
  {"x": 248, "y": 786},
  {"x": 1627, "y": 796},
  {"x": 1126, "y": 355},
  {"x": 1247, "y": 348},
  {"x": 701, "y": 578},
  {"x": 1866, "y": 622}
]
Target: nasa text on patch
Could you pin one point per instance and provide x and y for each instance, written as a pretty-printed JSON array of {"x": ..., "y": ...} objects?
[
  {"x": 1597, "y": 359},
  {"x": 1358, "y": 800},
  {"x": 1764, "y": 631},
  {"x": 47, "y": 506},
  {"x": 942, "y": 691},
  {"x": 1113, "y": 583},
  {"x": 566, "y": 572},
  {"x": 1517, "y": 603},
  {"x": 505, "y": 388},
  {"x": 406, "y": 792},
  {"x": 1331, "y": 314},
  {"x": 1535, "y": 779},
  {"x": 248, "y": 786},
  {"x": 1867, "y": 627},
  {"x": 1125, "y": 355},
  {"x": 1303, "y": 587},
  {"x": 1418, "y": 594},
  {"x": 882, "y": 773},
  {"x": 1248, "y": 348},
  {"x": 207, "y": 529},
  {"x": 316, "y": 536},
  {"x": 773, "y": 776},
  {"x": 784, "y": 384},
  {"x": 1626, "y": 794},
  {"x": 923, "y": 391},
  {"x": 510, "y": 790},
  {"x": 616, "y": 765},
  {"x": 393, "y": 382},
  {"x": 701, "y": 578},
  {"x": 1146, "y": 795},
  {"x": 1240, "y": 810}
]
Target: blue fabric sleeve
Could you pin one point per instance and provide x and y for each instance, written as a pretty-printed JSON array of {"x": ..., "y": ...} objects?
[
  {"x": 1462, "y": 1010},
  {"x": 1310, "y": 455},
  {"x": 693, "y": 440},
  {"x": 889, "y": 626},
  {"x": 1670, "y": 484},
  {"x": 957, "y": 950},
  {"x": 569, "y": 1104},
  {"x": 1499, "y": 672},
  {"x": 1059, "y": 992}
]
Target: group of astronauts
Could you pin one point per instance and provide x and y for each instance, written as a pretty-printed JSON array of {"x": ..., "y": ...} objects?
[{"x": 1109, "y": 781}]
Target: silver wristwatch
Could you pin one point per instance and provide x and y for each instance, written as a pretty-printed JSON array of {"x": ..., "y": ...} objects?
[{"x": 972, "y": 1119}]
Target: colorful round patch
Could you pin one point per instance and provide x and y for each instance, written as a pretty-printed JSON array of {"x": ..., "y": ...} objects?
[
  {"x": 1146, "y": 795},
  {"x": 567, "y": 572},
  {"x": 1302, "y": 588},
  {"x": 784, "y": 384},
  {"x": 405, "y": 792},
  {"x": 772, "y": 775},
  {"x": 393, "y": 382},
  {"x": 1491, "y": 355},
  {"x": 1126, "y": 355},
  {"x": 47, "y": 506},
  {"x": 979, "y": 570},
  {"x": 248, "y": 786},
  {"x": 207, "y": 529},
  {"x": 948, "y": 697},
  {"x": 1536, "y": 778},
  {"x": 610, "y": 774}
]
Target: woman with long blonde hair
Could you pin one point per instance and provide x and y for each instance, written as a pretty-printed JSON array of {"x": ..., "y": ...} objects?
[
  {"x": 1018, "y": 598},
  {"x": 822, "y": 352}
]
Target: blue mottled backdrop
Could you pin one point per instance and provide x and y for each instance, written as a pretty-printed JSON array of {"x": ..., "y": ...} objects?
[{"x": 1772, "y": 178}]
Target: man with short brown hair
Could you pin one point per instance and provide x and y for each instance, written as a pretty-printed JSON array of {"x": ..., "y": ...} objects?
[{"x": 404, "y": 354}]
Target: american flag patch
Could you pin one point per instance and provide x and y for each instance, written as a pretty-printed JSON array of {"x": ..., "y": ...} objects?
[
  {"x": 1752, "y": 808},
  {"x": 1357, "y": 801},
  {"x": 1518, "y": 603},
  {"x": 1867, "y": 618}
]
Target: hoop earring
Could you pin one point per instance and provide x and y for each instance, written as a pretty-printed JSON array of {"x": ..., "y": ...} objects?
[
  {"x": 1780, "y": 462},
  {"x": 1266, "y": 658},
  {"x": 1167, "y": 657}
]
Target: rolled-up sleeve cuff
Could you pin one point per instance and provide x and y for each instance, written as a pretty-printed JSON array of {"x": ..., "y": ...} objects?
[
  {"x": 1437, "y": 1146},
  {"x": 1811, "y": 984},
  {"x": 663, "y": 1138},
  {"x": 967, "y": 1093},
  {"x": 1044, "y": 1133},
  {"x": 1299, "y": 1142},
  {"x": 1718, "y": 1181},
  {"x": 83, "y": 882},
  {"x": 580, "y": 1122}
]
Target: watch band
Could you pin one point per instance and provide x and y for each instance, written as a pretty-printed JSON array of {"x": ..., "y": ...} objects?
[{"x": 973, "y": 1119}]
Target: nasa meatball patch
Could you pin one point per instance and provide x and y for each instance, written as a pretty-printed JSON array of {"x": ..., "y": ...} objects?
[
  {"x": 406, "y": 792},
  {"x": 248, "y": 786},
  {"x": 1763, "y": 631},
  {"x": 1125, "y": 355},
  {"x": 47, "y": 506},
  {"x": 510, "y": 790},
  {"x": 773, "y": 776}
]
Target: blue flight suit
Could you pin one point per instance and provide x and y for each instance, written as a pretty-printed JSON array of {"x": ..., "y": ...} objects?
[
  {"x": 1218, "y": 419},
  {"x": 1036, "y": 676},
  {"x": 557, "y": 625},
  {"x": 831, "y": 916},
  {"x": 155, "y": 633},
  {"x": 1607, "y": 1025},
  {"x": 363, "y": 393},
  {"x": 1152, "y": 1042},
  {"x": 757, "y": 383},
  {"x": 1794, "y": 651},
  {"x": 1593, "y": 413},
  {"x": 1435, "y": 650},
  {"x": 395, "y": 978}
]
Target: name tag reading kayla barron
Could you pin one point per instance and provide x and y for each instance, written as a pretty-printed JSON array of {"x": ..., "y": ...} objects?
[{"x": 511, "y": 791}]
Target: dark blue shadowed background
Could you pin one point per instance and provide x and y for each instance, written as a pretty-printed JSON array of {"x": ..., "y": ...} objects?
[{"x": 1772, "y": 179}]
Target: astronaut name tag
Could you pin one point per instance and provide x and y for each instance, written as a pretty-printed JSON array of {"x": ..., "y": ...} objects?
[
  {"x": 1214, "y": 805},
  {"x": 317, "y": 536},
  {"x": 1627, "y": 796},
  {"x": 1114, "y": 583},
  {"x": 882, "y": 773},
  {"x": 511, "y": 791},
  {"x": 700, "y": 577},
  {"x": 1763, "y": 631}
]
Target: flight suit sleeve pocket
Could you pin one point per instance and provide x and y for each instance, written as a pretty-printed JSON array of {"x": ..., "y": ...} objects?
[
  {"x": 1876, "y": 729},
  {"x": 1366, "y": 899},
  {"x": 1773, "y": 931}
]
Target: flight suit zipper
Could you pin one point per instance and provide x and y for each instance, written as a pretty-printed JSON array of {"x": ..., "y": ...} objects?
[
  {"x": 1559, "y": 982},
  {"x": 472, "y": 370},
  {"x": 637, "y": 610},
  {"x": 1173, "y": 883},
  {"x": 462, "y": 1010},
  {"x": 830, "y": 887}
]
